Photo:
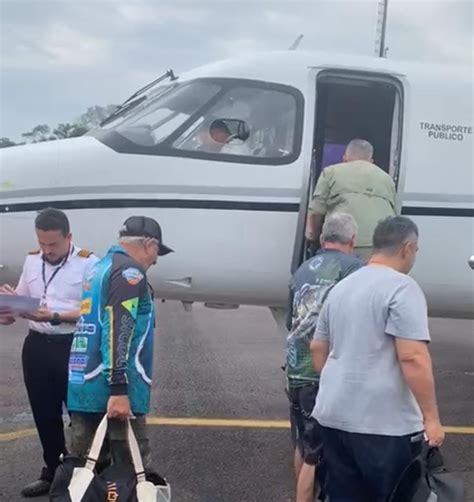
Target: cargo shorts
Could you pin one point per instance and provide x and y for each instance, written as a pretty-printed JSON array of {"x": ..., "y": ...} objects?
[{"x": 305, "y": 430}]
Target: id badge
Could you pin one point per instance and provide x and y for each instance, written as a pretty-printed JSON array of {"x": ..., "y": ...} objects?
[{"x": 43, "y": 303}]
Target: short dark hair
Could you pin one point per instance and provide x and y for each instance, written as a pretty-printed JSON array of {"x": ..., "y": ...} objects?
[
  {"x": 392, "y": 232},
  {"x": 52, "y": 219},
  {"x": 219, "y": 124}
]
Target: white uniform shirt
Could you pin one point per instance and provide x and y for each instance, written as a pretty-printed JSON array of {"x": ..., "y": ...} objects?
[{"x": 64, "y": 291}]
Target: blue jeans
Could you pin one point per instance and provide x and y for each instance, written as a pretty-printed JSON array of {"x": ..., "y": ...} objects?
[{"x": 365, "y": 467}]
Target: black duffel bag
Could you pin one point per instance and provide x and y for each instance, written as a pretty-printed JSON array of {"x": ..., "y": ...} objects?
[
  {"x": 76, "y": 480},
  {"x": 426, "y": 479}
]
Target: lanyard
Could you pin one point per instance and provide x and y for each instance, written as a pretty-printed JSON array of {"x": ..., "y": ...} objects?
[{"x": 53, "y": 275}]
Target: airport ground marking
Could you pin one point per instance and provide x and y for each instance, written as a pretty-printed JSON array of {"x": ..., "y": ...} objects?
[
  {"x": 223, "y": 423},
  {"x": 458, "y": 430},
  {"x": 219, "y": 422},
  {"x": 20, "y": 434}
]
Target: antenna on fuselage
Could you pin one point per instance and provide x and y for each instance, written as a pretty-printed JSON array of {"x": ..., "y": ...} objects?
[
  {"x": 296, "y": 43},
  {"x": 381, "y": 29}
]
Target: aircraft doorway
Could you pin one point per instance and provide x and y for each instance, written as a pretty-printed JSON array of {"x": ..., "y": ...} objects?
[{"x": 354, "y": 105}]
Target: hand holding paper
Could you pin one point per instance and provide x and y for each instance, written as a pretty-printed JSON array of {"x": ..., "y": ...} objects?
[
  {"x": 12, "y": 304},
  {"x": 6, "y": 320},
  {"x": 7, "y": 289},
  {"x": 5, "y": 313}
]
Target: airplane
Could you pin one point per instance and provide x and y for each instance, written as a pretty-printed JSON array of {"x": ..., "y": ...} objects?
[{"x": 226, "y": 156}]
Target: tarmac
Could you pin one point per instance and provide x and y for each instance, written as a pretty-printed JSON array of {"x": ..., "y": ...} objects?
[{"x": 219, "y": 427}]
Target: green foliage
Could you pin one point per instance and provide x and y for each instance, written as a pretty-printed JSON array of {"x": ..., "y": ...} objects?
[
  {"x": 5, "y": 142},
  {"x": 69, "y": 130},
  {"x": 37, "y": 134},
  {"x": 43, "y": 132},
  {"x": 95, "y": 115}
]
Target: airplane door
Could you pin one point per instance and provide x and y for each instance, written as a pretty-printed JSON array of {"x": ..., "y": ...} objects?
[{"x": 352, "y": 105}]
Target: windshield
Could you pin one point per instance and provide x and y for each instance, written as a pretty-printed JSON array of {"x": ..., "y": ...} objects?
[
  {"x": 183, "y": 119},
  {"x": 154, "y": 122},
  {"x": 135, "y": 106}
]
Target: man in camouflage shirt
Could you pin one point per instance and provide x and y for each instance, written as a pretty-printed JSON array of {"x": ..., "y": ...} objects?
[{"x": 309, "y": 288}]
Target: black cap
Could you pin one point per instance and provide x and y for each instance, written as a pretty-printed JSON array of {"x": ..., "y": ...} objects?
[{"x": 142, "y": 226}]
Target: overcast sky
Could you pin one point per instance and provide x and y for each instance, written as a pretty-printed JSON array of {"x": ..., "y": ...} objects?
[{"x": 59, "y": 57}]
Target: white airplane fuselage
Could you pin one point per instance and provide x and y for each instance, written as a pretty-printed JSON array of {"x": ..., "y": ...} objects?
[{"x": 235, "y": 219}]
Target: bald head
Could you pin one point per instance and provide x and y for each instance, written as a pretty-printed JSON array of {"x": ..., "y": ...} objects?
[{"x": 359, "y": 149}]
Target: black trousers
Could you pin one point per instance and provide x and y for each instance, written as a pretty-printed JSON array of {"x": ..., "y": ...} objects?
[
  {"x": 45, "y": 370},
  {"x": 365, "y": 467}
]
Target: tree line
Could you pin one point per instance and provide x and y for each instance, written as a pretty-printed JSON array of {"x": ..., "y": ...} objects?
[{"x": 43, "y": 132}]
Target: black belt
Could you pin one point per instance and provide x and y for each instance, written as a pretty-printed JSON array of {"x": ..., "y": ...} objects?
[{"x": 59, "y": 338}]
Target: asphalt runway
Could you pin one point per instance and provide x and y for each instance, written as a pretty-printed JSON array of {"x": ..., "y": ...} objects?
[{"x": 226, "y": 365}]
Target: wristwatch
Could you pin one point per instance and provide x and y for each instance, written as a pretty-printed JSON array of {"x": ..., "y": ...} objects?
[{"x": 56, "y": 320}]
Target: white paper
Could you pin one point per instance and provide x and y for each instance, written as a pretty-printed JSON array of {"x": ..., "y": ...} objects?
[{"x": 17, "y": 304}]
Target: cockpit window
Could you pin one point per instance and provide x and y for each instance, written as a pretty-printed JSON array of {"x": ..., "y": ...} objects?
[
  {"x": 268, "y": 114},
  {"x": 232, "y": 120}
]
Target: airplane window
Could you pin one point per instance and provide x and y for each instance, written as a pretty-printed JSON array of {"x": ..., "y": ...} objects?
[
  {"x": 159, "y": 118},
  {"x": 224, "y": 119},
  {"x": 268, "y": 114},
  {"x": 144, "y": 101}
]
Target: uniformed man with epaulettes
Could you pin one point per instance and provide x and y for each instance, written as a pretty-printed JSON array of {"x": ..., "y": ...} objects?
[{"x": 54, "y": 274}]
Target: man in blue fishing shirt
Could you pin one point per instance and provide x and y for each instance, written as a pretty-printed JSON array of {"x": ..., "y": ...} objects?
[{"x": 110, "y": 366}]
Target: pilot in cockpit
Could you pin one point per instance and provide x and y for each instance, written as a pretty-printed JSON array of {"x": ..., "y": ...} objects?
[{"x": 217, "y": 138}]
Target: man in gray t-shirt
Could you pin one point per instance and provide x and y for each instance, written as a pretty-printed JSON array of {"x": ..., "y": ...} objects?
[{"x": 376, "y": 393}]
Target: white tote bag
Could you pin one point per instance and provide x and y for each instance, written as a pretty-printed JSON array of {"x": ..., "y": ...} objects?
[
  {"x": 79, "y": 487},
  {"x": 146, "y": 491}
]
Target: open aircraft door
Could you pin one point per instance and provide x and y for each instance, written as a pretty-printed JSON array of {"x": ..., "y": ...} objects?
[{"x": 352, "y": 104}]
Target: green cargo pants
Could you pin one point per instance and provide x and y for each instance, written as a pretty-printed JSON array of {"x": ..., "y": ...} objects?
[{"x": 115, "y": 448}]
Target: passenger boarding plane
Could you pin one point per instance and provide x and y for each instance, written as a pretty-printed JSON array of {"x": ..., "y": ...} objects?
[{"x": 226, "y": 157}]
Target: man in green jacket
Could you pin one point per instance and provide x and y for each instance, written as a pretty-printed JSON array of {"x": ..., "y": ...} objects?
[{"x": 357, "y": 187}]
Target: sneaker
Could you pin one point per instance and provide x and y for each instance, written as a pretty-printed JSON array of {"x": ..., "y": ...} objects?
[{"x": 40, "y": 486}]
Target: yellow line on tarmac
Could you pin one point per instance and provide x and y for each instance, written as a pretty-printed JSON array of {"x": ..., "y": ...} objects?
[
  {"x": 458, "y": 430},
  {"x": 213, "y": 422},
  {"x": 10, "y": 436},
  {"x": 219, "y": 422},
  {"x": 254, "y": 424}
]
